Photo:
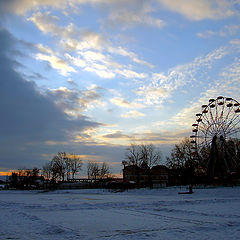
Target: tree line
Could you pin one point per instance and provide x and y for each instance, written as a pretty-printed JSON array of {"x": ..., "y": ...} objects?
[
  {"x": 62, "y": 166},
  {"x": 181, "y": 157},
  {"x": 184, "y": 164},
  {"x": 65, "y": 166}
]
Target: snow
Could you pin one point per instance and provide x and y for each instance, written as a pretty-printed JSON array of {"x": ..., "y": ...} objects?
[{"x": 208, "y": 213}]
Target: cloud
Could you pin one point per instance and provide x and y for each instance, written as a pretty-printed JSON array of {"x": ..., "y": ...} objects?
[
  {"x": 56, "y": 63},
  {"x": 132, "y": 114},
  {"x": 138, "y": 15},
  {"x": 235, "y": 41},
  {"x": 28, "y": 118},
  {"x": 228, "y": 30},
  {"x": 127, "y": 13},
  {"x": 77, "y": 61},
  {"x": 226, "y": 85},
  {"x": 123, "y": 103},
  {"x": 134, "y": 12},
  {"x": 44, "y": 49},
  {"x": 83, "y": 49},
  {"x": 127, "y": 73},
  {"x": 117, "y": 134},
  {"x": 201, "y": 9},
  {"x": 73, "y": 101},
  {"x": 163, "y": 85},
  {"x": 126, "y": 53},
  {"x": 72, "y": 38},
  {"x": 46, "y": 23},
  {"x": 22, "y": 6}
]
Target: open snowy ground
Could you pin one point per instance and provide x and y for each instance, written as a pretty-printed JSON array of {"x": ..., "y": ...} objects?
[{"x": 137, "y": 214}]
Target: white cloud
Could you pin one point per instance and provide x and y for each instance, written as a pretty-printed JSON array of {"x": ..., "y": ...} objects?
[
  {"x": 123, "y": 52},
  {"x": 227, "y": 85},
  {"x": 22, "y": 6},
  {"x": 132, "y": 114},
  {"x": 77, "y": 61},
  {"x": 130, "y": 18},
  {"x": 201, "y": 9},
  {"x": 93, "y": 56},
  {"x": 123, "y": 103},
  {"x": 46, "y": 23},
  {"x": 131, "y": 74},
  {"x": 129, "y": 13},
  {"x": 72, "y": 38},
  {"x": 85, "y": 49},
  {"x": 235, "y": 41},
  {"x": 44, "y": 49},
  {"x": 56, "y": 63},
  {"x": 100, "y": 73},
  {"x": 84, "y": 41},
  {"x": 228, "y": 30},
  {"x": 162, "y": 85}
]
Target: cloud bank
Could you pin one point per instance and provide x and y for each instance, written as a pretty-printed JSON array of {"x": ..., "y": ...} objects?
[{"x": 27, "y": 117}]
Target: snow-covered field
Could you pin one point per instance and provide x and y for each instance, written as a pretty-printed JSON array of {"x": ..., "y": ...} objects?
[{"x": 212, "y": 213}]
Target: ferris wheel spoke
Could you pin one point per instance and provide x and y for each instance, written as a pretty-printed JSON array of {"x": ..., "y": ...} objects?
[
  {"x": 207, "y": 120},
  {"x": 211, "y": 116},
  {"x": 233, "y": 123},
  {"x": 206, "y": 132},
  {"x": 209, "y": 130},
  {"x": 202, "y": 123},
  {"x": 214, "y": 123},
  {"x": 233, "y": 117},
  {"x": 218, "y": 114},
  {"x": 222, "y": 112},
  {"x": 227, "y": 120},
  {"x": 233, "y": 131},
  {"x": 227, "y": 115}
]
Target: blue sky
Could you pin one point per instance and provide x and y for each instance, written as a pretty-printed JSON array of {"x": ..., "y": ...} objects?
[{"x": 101, "y": 74}]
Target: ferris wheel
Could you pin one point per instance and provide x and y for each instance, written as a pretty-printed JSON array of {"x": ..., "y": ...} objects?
[{"x": 219, "y": 119}]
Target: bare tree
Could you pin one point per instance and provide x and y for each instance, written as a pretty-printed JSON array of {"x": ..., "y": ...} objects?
[
  {"x": 96, "y": 171},
  {"x": 46, "y": 170},
  {"x": 35, "y": 172},
  {"x": 58, "y": 166},
  {"x": 75, "y": 164},
  {"x": 93, "y": 170},
  {"x": 104, "y": 170},
  {"x": 62, "y": 165},
  {"x": 181, "y": 156},
  {"x": 67, "y": 161},
  {"x": 143, "y": 155},
  {"x": 149, "y": 155},
  {"x": 132, "y": 155}
]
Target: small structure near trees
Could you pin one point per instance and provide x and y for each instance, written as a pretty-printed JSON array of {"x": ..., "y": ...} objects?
[
  {"x": 141, "y": 166},
  {"x": 154, "y": 177},
  {"x": 25, "y": 179}
]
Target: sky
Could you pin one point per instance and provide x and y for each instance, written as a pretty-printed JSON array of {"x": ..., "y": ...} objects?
[{"x": 90, "y": 77}]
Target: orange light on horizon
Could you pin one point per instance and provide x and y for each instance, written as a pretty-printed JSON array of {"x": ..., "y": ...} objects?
[
  {"x": 6, "y": 173},
  {"x": 117, "y": 175}
]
